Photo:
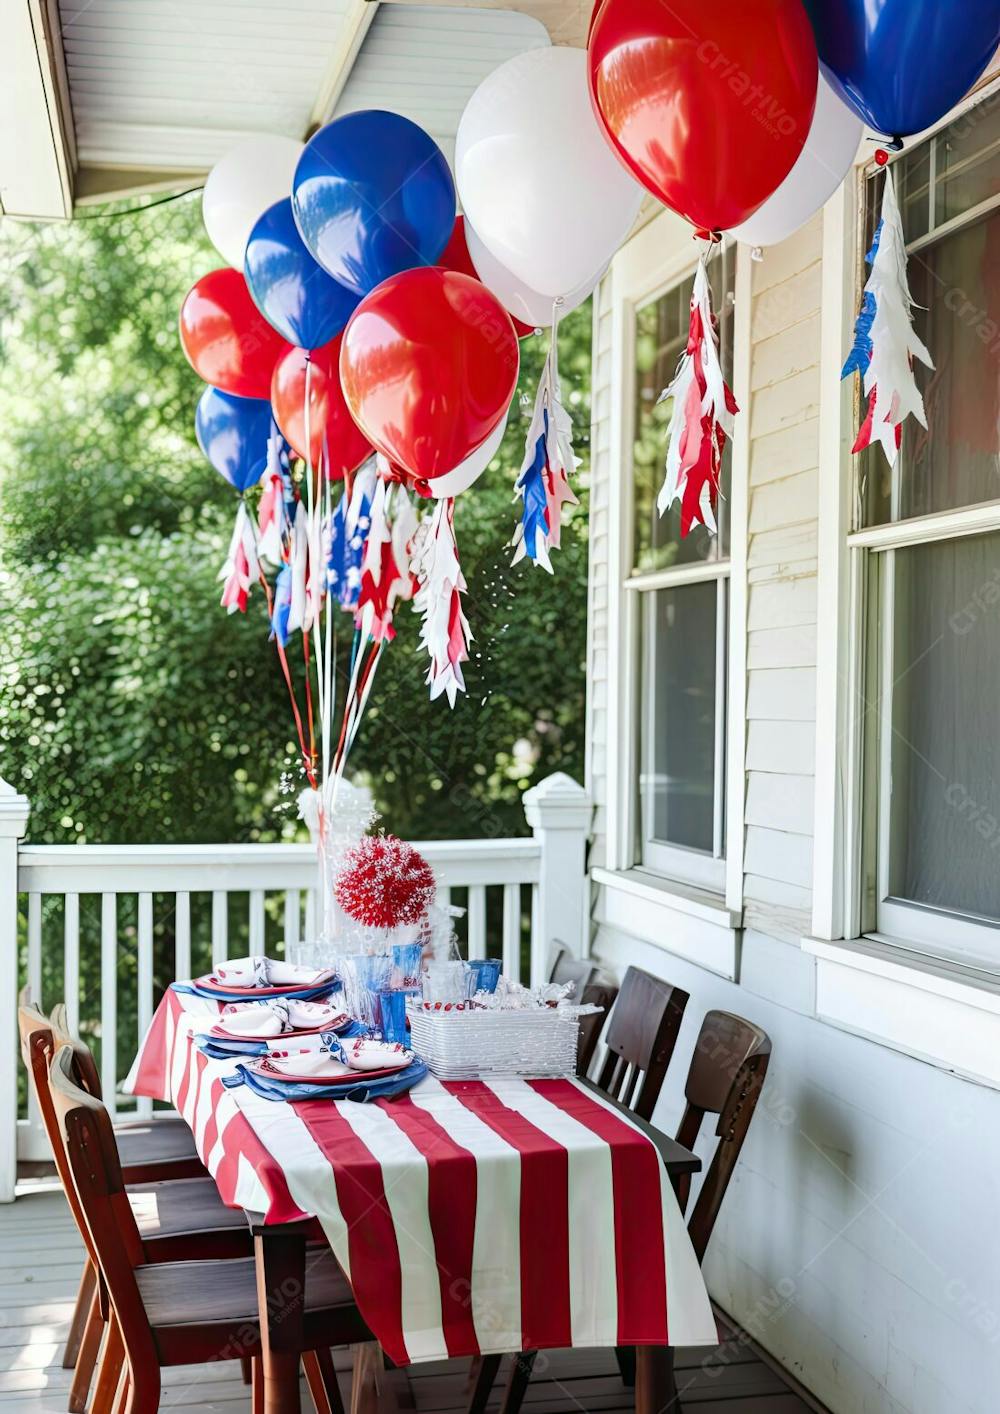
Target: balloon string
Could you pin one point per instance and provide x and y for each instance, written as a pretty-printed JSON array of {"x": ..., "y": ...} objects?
[
  {"x": 286, "y": 672},
  {"x": 309, "y": 699}
]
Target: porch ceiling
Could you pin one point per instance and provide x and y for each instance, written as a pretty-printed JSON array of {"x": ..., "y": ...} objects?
[{"x": 109, "y": 97}]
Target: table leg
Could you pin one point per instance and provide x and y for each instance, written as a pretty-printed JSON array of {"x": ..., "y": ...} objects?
[
  {"x": 655, "y": 1389},
  {"x": 281, "y": 1285},
  {"x": 365, "y": 1378}
]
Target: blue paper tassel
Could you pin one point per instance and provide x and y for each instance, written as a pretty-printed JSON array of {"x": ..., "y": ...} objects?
[{"x": 861, "y": 351}]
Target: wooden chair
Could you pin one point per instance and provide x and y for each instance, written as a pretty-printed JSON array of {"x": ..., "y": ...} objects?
[
  {"x": 641, "y": 1036},
  {"x": 600, "y": 994},
  {"x": 581, "y": 971},
  {"x": 176, "y": 1219},
  {"x": 640, "y": 1040},
  {"x": 183, "y": 1313},
  {"x": 150, "y": 1149}
]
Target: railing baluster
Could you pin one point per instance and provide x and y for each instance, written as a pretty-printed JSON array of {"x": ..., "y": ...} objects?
[
  {"x": 443, "y": 896},
  {"x": 182, "y": 936},
  {"x": 477, "y": 920},
  {"x": 145, "y": 978},
  {"x": 109, "y": 999},
  {"x": 71, "y": 961},
  {"x": 310, "y": 936},
  {"x": 256, "y": 930},
  {"x": 220, "y": 926},
  {"x": 35, "y": 947},
  {"x": 512, "y": 931},
  {"x": 292, "y": 919}
]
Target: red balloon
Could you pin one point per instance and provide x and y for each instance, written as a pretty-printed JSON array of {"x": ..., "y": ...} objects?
[
  {"x": 428, "y": 363},
  {"x": 333, "y": 433},
  {"x": 455, "y": 256},
  {"x": 227, "y": 340},
  {"x": 708, "y": 105}
]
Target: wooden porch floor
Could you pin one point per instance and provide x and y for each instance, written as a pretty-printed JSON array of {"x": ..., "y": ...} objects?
[{"x": 40, "y": 1260}]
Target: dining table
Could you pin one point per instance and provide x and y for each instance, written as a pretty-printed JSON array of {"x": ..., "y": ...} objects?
[{"x": 471, "y": 1217}]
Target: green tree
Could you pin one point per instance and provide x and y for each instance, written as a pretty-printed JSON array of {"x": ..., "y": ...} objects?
[{"x": 132, "y": 708}]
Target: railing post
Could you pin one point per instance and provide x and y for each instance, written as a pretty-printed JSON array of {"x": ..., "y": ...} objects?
[
  {"x": 559, "y": 813},
  {"x": 14, "y": 809}
]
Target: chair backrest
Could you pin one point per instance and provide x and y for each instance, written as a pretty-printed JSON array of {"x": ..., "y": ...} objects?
[
  {"x": 725, "y": 1078},
  {"x": 581, "y": 971},
  {"x": 38, "y": 1046},
  {"x": 86, "y": 1072},
  {"x": 641, "y": 1037},
  {"x": 96, "y": 1171},
  {"x": 600, "y": 994}
]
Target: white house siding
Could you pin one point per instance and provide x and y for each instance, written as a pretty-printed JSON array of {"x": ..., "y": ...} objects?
[{"x": 859, "y": 1240}]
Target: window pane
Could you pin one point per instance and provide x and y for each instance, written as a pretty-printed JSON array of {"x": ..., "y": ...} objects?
[
  {"x": 661, "y": 337},
  {"x": 945, "y": 748},
  {"x": 955, "y": 284},
  {"x": 677, "y": 781}
]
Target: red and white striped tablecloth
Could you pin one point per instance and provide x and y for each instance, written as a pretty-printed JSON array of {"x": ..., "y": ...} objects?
[{"x": 470, "y": 1216}]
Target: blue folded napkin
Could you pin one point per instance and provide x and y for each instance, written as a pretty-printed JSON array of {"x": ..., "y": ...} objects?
[
  {"x": 383, "y": 1089},
  {"x": 221, "y": 1047},
  {"x": 300, "y": 994}
]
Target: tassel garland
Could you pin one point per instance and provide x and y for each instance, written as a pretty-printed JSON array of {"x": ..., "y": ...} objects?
[
  {"x": 701, "y": 420},
  {"x": 241, "y": 568},
  {"x": 543, "y": 483},
  {"x": 885, "y": 343},
  {"x": 444, "y": 630}
]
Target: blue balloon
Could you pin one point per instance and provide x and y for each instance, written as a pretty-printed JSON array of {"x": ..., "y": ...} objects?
[
  {"x": 903, "y": 64},
  {"x": 233, "y": 433},
  {"x": 292, "y": 292},
  {"x": 373, "y": 196}
]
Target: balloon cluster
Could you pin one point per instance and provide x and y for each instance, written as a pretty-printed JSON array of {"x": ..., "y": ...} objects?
[{"x": 360, "y": 346}]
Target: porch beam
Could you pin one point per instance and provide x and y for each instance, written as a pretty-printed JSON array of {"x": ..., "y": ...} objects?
[
  {"x": 567, "y": 21},
  {"x": 37, "y": 154}
]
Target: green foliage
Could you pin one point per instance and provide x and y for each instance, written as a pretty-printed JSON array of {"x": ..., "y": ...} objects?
[{"x": 132, "y": 708}]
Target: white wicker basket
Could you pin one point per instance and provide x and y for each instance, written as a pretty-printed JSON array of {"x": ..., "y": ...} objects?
[{"x": 464, "y": 1045}]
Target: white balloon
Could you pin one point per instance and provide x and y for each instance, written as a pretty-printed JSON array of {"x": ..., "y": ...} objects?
[
  {"x": 822, "y": 165},
  {"x": 526, "y": 304},
  {"x": 537, "y": 178},
  {"x": 461, "y": 477},
  {"x": 251, "y": 176}
]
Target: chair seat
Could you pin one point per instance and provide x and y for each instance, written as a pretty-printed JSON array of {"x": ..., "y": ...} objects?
[
  {"x": 208, "y": 1309},
  {"x": 155, "y": 1149},
  {"x": 181, "y": 1205}
]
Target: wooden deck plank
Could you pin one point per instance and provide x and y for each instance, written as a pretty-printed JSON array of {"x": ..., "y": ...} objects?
[{"x": 41, "y": 1255}]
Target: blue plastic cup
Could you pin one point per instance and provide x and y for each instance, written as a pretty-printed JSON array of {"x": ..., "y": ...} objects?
[
  {"x": 392, "y": 1017},
  {"x": 406, "y": 963},
  {"x": 486, "y": 972}
]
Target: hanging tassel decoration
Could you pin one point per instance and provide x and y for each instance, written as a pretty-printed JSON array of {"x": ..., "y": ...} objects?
[
  {"x": 241, "y": 568},
  {"x": 543, "y": 482},
  {"x": 273, "y": 523},
  {"x": 444, "y": 630},
  {"x": 386, "y": 576},
  {"x": 702, "y": 418},
  {"x": 885, "y": 343},
  {"x": 348, "y": 532}
]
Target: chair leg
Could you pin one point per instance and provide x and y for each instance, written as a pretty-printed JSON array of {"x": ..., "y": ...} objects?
[
  {"x": 321, "y": 1378},
  {"x": 86, "y": 1359},
  {"x": 518, "y": 1381},
  {"x": 81, "y": 1311},
  {"x": 485, "y": 1376},
  {"x": 246, "y": 1365},
  {"x": 110, "y": 1372},
  {"x": 256, "y": 1386},
  {"x": 625, "y": 1355}
]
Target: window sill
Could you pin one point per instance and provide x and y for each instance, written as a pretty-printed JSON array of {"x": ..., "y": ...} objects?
[
  {"x": 935, "y": 1011},
  {"x": 680, "y": 919}
]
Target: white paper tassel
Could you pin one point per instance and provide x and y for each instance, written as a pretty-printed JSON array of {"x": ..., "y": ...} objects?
[
  {"x": 444, "y": 630},
  {"x": 299, "y": 564}
]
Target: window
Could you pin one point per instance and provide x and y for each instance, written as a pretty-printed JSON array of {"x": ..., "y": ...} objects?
[
  {"x": 682, "y": 588},
  {"x": 930, "y": 529}
]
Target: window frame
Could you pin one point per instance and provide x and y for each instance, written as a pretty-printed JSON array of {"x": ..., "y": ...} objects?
[
  {"x": 658, "y": 258},
  {"x": 856, "y": 571}
]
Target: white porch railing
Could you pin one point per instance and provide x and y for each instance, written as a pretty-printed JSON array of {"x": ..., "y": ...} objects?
[{"x": 129, "y": 919}]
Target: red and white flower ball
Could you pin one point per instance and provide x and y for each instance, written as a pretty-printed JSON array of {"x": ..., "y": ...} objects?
[{"x": 385, "y": 883}]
